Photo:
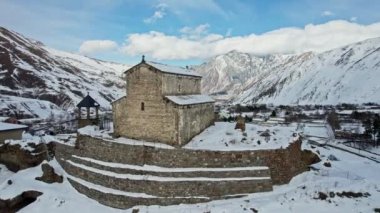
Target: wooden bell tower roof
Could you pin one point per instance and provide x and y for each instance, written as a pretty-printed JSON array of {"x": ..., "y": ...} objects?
[{"x": 88, "y": 101}]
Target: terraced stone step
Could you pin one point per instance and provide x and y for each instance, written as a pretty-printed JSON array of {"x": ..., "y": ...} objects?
[
  {"x": 257, "y": 171},
  {"x": 117, "y": 151},
  {"x": 123, "y": 200},
  {"x": 169, "y": 186}
]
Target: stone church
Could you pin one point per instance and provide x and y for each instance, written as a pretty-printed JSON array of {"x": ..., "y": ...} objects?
[{"x": 163, "y": 104}]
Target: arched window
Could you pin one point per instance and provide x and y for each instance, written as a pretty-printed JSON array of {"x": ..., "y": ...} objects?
[{"x": 142, "y": 106}]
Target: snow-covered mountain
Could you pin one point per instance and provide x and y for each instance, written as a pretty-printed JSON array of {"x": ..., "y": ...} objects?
[
  {"x": 30, "y": 69},
  {"x": 346, "y": 75}
]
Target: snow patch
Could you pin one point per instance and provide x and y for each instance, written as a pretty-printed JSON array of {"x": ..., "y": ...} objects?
[
  {"x": 151, "y": 168},
  {"x": 190, "y": 99},
  {"x": 158, "y": 178}
]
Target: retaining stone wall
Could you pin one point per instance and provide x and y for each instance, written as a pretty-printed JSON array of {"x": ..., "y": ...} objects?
[
  {"x": 211, "y": 174},
  {"x": 171, "y": 188},
  {"x": 120, "y": 201},
  {"x": 283, "y": 163}
]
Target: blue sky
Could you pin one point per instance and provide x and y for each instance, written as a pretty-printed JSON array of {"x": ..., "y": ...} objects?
[{"x": 188, "y": 32}]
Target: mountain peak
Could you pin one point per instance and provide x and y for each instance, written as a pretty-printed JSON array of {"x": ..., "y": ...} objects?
[{"x": 343, "y": 75}]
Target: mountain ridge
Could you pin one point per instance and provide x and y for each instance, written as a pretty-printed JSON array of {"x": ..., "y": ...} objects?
[
  {"x": 343, "y": 75},
  {"x": 32, "y": 70},
  {"x": 296, "y": 78}
]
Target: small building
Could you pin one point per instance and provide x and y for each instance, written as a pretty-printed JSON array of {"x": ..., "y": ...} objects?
[
  {"x": 163, "y": 103},
  {"x": 11, "y": 131},
  {"x": 12, "y": 120},
  {"x": 91, "y": 116}
]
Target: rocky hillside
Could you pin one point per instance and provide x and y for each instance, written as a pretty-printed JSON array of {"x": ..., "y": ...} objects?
[
  {"x": 346, "y": 75},
  {"x": 30, "y": 69}
]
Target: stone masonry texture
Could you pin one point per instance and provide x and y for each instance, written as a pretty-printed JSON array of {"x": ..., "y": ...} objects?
[
  {"x": 145, "y": 107},
  {"x": 283, "y": 165}
]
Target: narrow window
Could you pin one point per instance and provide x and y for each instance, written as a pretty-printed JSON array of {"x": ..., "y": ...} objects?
[{"x": 142, "y": 106}]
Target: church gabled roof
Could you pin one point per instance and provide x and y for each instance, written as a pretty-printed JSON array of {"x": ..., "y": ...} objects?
[
  {"x": 88, "y": 101},
  {"x": 190, "y": 99},
  {"x": 173, "y": 69},
  {"x": 169, "y": 69}
]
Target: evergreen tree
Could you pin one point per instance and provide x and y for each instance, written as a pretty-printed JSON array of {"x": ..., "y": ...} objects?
[
  {"x": 247, "y": 118},
  {"x": 238, "y": 108},
  {"x": 230, "y": 119},
  {"x": 368, "y": 127},
  {"x": 274, "y": 114},
  {"x": 376, "y": 129},
  {"x": 333, "y": 120}
]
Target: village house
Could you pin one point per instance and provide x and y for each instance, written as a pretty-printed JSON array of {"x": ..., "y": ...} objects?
[
  {"x": 163, "y": 103},
  {"x": 11, "y": 131}
]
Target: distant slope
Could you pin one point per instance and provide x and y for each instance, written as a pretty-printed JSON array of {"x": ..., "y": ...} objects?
[
  {"x": 346, "y": 75},
  {"x": 30, "y": 69},
  {"x": 30, "y": 108}
]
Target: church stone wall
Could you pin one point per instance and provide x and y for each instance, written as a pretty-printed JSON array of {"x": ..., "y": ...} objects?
[
  {"x": 145, "y": 114},
  {"x": 193, "y": 120},
  {"x": 155, "y": 120},
  {"x": 180, "y": 85},
  {"x": 119, "y": 116}
]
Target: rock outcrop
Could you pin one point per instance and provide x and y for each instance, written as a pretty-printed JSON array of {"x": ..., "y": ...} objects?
[
  {"x": 16, "y": 157},
  {"x": 19, "y": 202},
  {"x": 240, "y": 123},
  {"x": 49, "y": 175}
]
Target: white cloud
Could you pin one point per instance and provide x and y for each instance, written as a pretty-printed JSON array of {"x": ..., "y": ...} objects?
[
  {"x": 354, "y": 19},
  {"x": 180, "y": 7},
  {"x": 158, "y": 14},
  {"x": 229, "y": 32},
  {"x": 184, "y": 9},
  {"x": 327, "y": 13},
  {"x": 312, "y": 37},
  {"x": 97, "y": 46},
  {"x": 195, "y": 32}
]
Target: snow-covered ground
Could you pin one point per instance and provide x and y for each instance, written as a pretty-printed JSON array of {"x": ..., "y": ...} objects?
[
  {"x": 375, "y": 150},
  {"x": 29, "y": 141},
  {"x": 3, "y": 118},
  {"x": 353, "y": 127},
  {"x": 56, "y": 197},
  {"x": 94, "y": 131},
  {"x": 349, "y": 112},
  {"x": 350, "y": 173},
  {"x": 315, "y": 130},
  {"x": 356, "y": 151},
  {"x": 224, "y": 136},
  {"x": 318, "y": 134}
]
